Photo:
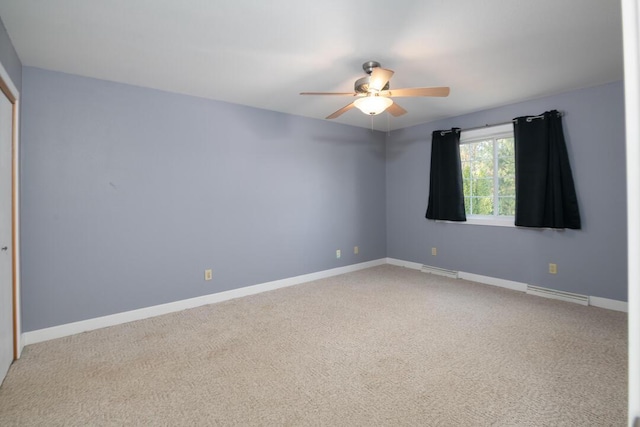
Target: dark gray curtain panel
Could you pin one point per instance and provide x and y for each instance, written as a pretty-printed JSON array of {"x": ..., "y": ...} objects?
[
  {"x": 545, "y": 192},
  {"x": 446, "y": 198}
]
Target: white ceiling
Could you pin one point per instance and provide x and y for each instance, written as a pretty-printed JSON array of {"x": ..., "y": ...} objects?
[{"x": 263, "y": 53}]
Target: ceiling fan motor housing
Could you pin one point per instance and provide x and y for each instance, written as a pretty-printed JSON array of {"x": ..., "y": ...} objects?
[{"x": 362, "y": 85}]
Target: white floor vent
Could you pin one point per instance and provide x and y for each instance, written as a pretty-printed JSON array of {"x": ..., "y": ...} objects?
[
  {"x": 560, "y": 295},
  {"x": 439, "y": 271}
]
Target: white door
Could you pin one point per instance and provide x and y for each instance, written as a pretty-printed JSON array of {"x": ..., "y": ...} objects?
[{"x": 6, "y": 250}]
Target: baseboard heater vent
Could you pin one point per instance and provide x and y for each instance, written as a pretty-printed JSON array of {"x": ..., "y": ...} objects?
[
  {"x": 560, "y": 295},
  {"x": 439, "y": 271}
]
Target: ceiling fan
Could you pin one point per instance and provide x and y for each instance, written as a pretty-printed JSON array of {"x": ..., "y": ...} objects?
[{"x": 374, "y": 94}]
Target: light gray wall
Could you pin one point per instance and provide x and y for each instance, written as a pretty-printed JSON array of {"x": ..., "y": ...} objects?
[
  {"x": 9, "y": 58},
  {"x": 591, "y": 261},
  {"x": 129, "y": 194}
]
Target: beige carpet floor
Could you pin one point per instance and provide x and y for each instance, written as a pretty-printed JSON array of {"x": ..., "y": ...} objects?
[{"x": 384, "y": 346}]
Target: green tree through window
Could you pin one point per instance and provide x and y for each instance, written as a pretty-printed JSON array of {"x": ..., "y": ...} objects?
[{"x": 488, "y": 173}]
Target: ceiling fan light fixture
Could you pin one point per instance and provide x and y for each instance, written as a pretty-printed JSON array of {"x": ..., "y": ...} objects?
[{"x": 373, "y": 105}]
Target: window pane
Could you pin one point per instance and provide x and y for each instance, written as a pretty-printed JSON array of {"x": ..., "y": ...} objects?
[
  {"x": 465, "y": 152},
  {"x": 507, "y": 186},
  {"x": 483, "y": 168},
  {"x": 466, "y": 170},
  {"x": 482, "y": 205},
  {"x": 506, "y": 148},
  {"x": 482, "y": 187},
  {"x": 483, "y": 159},
  {"x": 507, "y": 206},
  {"x": 485, "y": 171},
  {"x": 472, "y": 148},
  {"x": 484, "y": 150},
  {"x": 506, "y": 166},
  {"x": 467, "y": 205},
  {"x": 466, "y": 186},
  {"x": 507, "y": 177}
]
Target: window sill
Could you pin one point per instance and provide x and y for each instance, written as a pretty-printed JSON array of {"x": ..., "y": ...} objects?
[{"x": 491, "y": 221}]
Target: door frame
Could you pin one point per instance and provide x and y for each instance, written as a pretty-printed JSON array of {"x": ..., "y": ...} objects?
[
  {"x": 631, "y": 50},
  {"x": 8, "y": 89}
]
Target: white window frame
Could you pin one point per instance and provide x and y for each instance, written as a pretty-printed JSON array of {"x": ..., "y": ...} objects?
[{"x": 475, "y": 135}]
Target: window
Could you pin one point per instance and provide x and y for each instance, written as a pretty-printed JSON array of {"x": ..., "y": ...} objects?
[{"x": 488, "y": 174}]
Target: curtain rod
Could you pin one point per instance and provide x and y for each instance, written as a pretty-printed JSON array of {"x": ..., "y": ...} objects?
[{"x": 529, "y": 119}]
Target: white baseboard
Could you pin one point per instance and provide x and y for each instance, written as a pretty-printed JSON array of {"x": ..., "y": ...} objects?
[
  {"x": 406, "y": 264},
  {"x": 609, "y": 304},
  {"x": 60, "y": 331},
  {"x": 487, "y": 280},
  {"x": 493, "y": 281}
]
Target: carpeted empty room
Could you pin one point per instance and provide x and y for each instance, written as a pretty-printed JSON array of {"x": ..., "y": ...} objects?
[{"x": 381, "y": 346}]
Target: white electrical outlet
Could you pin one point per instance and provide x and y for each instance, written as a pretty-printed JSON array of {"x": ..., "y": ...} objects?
[
  {"x": 338, "y": 254},
  {"x": 356, "y": 250},
  {"x": 434, "y": 251},
  {"x": 208, "y": 274}
]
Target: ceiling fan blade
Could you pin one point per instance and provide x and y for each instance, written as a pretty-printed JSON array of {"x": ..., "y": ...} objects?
[
  {"x": 418, "y": 91},
  {"x": 330, "y": 93},
  {"x": 379, "y": 78},
  {"x": 395, "y": 110},
  {"x": 341, "y": 111}
]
